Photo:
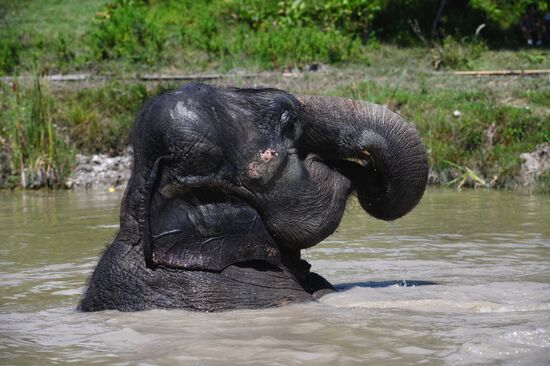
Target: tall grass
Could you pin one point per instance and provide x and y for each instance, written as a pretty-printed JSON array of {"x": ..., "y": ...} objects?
[
  {"x": 98, "y": 119},
  {"x": 40, "y": 156}
]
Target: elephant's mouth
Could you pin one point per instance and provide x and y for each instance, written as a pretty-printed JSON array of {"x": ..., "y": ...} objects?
[{"x": 364, "y": 175}]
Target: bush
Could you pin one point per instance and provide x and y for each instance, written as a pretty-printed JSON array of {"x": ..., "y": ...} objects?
[
  {"x": 203, "y": 33},
  {"x": 123, "y": 30},
  {"x": 457, "y": 55},
  {"x": 9, "y": 55},
  {"x": 351, "y": 17},
  {"x": 283, "y": 46},
  {"x": 459, "y": 19},
  {"x": 275, "y": 34},
  {"x": 203, "y": 30},
  {"x": 504, "y": 13}
]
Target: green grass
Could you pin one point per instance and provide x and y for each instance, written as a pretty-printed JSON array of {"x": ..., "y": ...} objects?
[
  {"x": 51, "y": 18},
  {"x": 49, "y": 34},
  {"x": 128, "y": 36}
]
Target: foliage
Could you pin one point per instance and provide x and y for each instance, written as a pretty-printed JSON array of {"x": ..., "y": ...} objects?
[
  {"x": 123, "y": 30},
  {"x": 43, "y": 133},
  {"x": 505, "y": 13},
  {"x": 177, "y": 34},
  {"x": 63, "y": 53},
  {"x": 466, "y": 176},
  {"x": 9, "y": 55},
  {"x": 454, "y": 54},
  {"x": 459, "y": 19},
  {"x": 252, "y": 13},
  {"x": 202, "y": 30},
  {"x": 274, "y": 34},
  {"x": 294, "y": 46},
  {"x": 534, "y": 57},
  {"x": 350, "y": 16},
  {"x": 41, "y": 157}
]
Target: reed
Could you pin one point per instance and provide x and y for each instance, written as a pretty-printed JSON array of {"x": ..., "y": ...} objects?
[{"x": 40, "y": 156}]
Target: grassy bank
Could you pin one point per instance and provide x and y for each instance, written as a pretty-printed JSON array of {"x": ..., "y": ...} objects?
[{"x": 500, "y": 118}]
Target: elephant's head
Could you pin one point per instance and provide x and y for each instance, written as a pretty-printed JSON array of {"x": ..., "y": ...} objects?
[{"x": 225, "y": 176}]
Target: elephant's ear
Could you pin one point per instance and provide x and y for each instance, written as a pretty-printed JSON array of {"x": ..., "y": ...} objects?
[{"x": 194, "y": 228}]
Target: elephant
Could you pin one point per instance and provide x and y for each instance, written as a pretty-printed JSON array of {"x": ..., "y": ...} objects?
[{"x": 229, "y": 185}]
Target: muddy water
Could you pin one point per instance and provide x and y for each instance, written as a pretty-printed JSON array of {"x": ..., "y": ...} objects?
[{"x": 476, "y": 265}]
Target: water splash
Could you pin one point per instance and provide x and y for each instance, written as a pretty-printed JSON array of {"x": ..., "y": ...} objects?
[{"x": 402, "y": 282}]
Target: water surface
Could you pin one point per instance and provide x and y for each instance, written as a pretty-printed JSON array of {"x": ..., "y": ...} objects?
[{"x": 476, "y": 265}]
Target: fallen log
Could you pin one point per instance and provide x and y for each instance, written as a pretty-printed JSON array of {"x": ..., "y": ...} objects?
[
  {"x": 502, "y": 72},
  {"x": 67, "y": 77},
  {"x": 155, "y": 77}
]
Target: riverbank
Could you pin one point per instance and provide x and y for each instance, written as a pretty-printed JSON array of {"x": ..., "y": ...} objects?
[
  {"x": 99, "y": 60},
  {"x": 475, "y": 128}
]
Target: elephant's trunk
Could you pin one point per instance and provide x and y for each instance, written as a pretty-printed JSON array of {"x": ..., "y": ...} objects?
[{"x": 391, "y": 171}]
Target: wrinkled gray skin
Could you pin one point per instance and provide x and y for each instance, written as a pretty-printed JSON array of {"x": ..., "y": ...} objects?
[{"x": 229, "y": 185}]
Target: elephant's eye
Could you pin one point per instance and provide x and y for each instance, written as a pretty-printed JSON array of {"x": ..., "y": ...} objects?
[
  {"x": 285, "y": 117},
  {"x": 287, "y": 124}
]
